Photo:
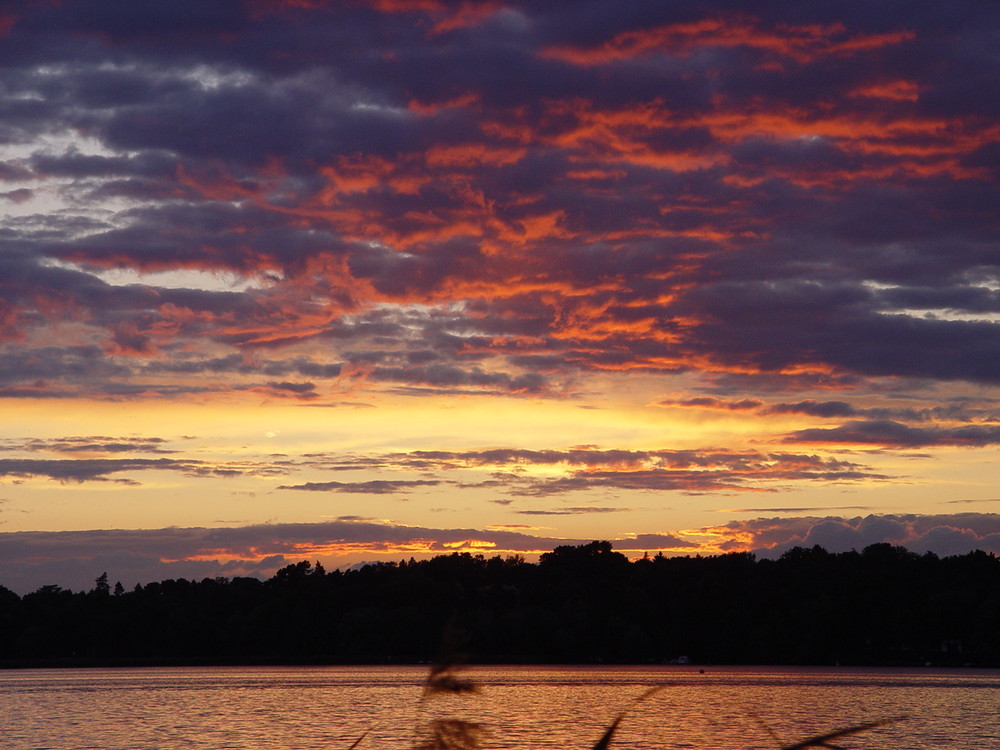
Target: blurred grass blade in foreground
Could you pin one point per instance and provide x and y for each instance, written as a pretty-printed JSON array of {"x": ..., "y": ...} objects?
[
  {"x": 605, "y": 741},
  {"x": 823, "y": 740}
]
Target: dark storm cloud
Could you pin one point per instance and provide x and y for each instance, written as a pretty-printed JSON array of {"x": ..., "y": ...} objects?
[
  {"x": 448, "y": 377},
  {"x": 948, "y": 534},
  {"x": 959, "y": 410},
  {"x": 236, "y": 364},
  {"x": 75, "y": 165},
  {"x": 895, "y": 434},
  {"x": 94, "y": 444},
  {"x": 816, "y": 409},
  {"x": 70, "y": 363},
  {"x": 843, "y": 325},
  {"x": 18, "y": 196},
  {"x": 792, "y": 194},
  {"x": 82, "y": 470},
  {"x": 105, "y": 461},
  {"x": 75, "y": 558},
  {"x": 62, "y": 372},
  {"x": 293, "y": 390}
]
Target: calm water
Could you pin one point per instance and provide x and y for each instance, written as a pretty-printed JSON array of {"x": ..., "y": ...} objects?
[{"x": 519, "y": 707}]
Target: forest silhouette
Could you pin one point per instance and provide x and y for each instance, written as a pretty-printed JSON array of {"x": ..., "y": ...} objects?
[{"x": 883, "y": 606}]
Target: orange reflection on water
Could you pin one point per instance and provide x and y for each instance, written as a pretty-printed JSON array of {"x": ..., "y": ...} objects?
[{"x": 518, "y": 708}]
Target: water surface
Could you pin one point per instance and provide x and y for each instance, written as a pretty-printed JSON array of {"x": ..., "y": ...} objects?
[{"x": 517, "y": 707}]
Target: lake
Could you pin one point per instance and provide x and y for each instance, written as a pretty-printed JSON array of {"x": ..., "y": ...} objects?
[{"x": 314, "y": 708}]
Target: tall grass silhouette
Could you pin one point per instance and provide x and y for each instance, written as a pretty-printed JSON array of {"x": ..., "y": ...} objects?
[
  {"x": 823, "y": 740},
  {"x": 459, "y": 734},
  {"x": 605, "y": 742},
  {"x": 819, "y": 740},
  {"x": 452, "y": 733},
  {"x": 448, "y": 733}
]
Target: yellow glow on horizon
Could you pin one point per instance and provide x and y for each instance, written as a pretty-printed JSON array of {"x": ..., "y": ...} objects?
[
  {"x": 626, "y": 419},
  {"x": 397, "y": 424},
  {"x": 245, "y": 436},
  {"x": 477, "y": 544}
]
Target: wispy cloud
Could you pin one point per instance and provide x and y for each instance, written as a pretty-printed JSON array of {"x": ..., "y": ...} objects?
[
  {"x": 373, "y": 487},
  {"x": 597, "y": 469}
]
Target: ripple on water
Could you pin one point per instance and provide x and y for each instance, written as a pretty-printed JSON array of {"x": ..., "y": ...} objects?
[{"x": 524, "y": 708}]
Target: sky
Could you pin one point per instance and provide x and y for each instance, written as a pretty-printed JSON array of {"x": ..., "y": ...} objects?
[{"x": 355, "y": 280}]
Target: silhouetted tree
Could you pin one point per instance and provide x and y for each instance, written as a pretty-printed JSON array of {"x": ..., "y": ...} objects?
[
  {"x": 883, "y": 605},
  {"x": 101, "y": 586}
]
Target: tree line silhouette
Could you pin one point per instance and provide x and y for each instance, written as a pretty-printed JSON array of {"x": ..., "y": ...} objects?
[{"x": 578, "y": 604}]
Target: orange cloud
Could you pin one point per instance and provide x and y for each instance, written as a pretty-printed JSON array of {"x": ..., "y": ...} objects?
[
  {"x": 899, "y": 90},
  {"x": 7, "y": 21},
  {"x": 618, "y": 135},
  {"x": 127, "y": 340},
  {"x": 262, "y": 7},
  {"x": 472, "y": 154},
  {"x": 355, "y": 174},
  {"x": 432, "y": 108},
  {"x": 9, "y": 322},
  {"x": 802, "y": 44},
  {"x": 465, "y": 16},
  {"x": 403, "y": 6}
]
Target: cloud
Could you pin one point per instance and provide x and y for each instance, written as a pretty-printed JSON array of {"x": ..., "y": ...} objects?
[
  {"x": 825, "y": 409},
  {"x": 961, "y": 410},
  {"x": 447, "y": 377},
  {"x": 104, "y": 462},
  {"x": 559, "y": 192},
  {"x": 800, "y": 44},
  {"x": 81, "y": 470},
  {"x": 776, "y": 223},
  {"x": 710, "y": 402},
  {"x": 505, "y": 470},
  {"x": 93, "y": 444},
  {"x": 792, "y": 510},
  {"x": 946, "y": 534},
  {"x": 609, "y": 469},
  {"x": 896, "y": 434},
  {"x": 574, "y": 511},
  {"x": 654, "y": 541},
  {"x": 372, "y": 487},
  {"x": 73, "y": 559}
]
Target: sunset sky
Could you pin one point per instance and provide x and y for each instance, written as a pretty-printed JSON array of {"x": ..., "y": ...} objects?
[{"x": 350, "y": 280}]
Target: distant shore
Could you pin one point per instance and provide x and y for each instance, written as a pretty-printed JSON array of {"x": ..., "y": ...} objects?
[{"x": 882, "y": 607}]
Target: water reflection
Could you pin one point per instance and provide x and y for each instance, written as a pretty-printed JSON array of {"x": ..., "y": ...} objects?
[{"x": 523, "y": 708}]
